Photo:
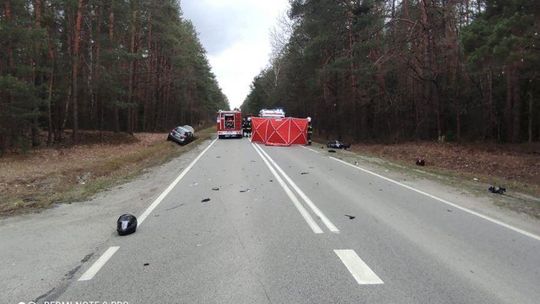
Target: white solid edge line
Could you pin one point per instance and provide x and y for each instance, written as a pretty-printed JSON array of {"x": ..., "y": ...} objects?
[
  {"x": 310, "y": 221},
  {"x": 158, "y": 200},
  {"x": 93, "y": 270},
  {"x": 485, "y": 217},
  {"x": 358, "y": 268},
  {"x": 311, "y": 149},
  {"x": 308, "y": 201}
]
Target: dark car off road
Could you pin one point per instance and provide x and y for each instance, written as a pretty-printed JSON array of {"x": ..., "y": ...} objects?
[{"x": 181, "y": 135}]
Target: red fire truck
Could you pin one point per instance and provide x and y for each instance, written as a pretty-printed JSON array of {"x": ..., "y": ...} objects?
[{"x": 229, "y": 124}]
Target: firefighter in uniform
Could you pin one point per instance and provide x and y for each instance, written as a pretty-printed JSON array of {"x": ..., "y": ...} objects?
[
  {"x": 309, "y": 130},
  {"x": 248, "y": 126},
  {"x": 244, "y": 126}
]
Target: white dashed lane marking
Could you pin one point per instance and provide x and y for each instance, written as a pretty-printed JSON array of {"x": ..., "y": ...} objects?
[{"x": 358, "y": 268}]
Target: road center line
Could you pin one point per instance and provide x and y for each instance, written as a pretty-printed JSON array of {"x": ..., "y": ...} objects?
[
  {"x": 308, "y": 201},
  {"x": 312, "y": 224},
  {"x": 485, "y": 217},
  {"x": 358, "y": 268},
  {"x": 93, "y": 270}
]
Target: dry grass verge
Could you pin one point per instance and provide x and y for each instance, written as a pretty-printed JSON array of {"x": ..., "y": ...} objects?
[{"x": 42, "y": 177}]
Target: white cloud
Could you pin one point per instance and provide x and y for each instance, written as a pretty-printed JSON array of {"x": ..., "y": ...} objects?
[{"x": 236, "y": 35}]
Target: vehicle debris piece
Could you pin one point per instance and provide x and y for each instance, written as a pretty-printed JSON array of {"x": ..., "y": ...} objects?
[
  {"x": 245, "y": 190},
  {"x": 497, "y": 190},
  {"x": 146, "y": 264},
  {"x": 336, "y": 144},
  {"x": 420, "y": 162},
  {"x": 205, "y": 200},
  {"x": 331, "y": 151},
  {"x": 177, "y": 206},
  {"x": 304, "y": 173},
  {"x": 351, "y": 217},
  {"x": 215, "y": 189},
  {"x": 126, "y": 224}
]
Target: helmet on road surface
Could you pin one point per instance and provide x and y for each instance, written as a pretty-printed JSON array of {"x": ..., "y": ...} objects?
[{"x": 126, "y": 224}]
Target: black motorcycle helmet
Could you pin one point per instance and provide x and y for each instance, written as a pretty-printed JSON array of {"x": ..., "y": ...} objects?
[{"x": 126, "y": 224}]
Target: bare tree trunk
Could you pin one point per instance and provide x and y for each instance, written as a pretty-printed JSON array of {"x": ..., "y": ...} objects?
[
  {"x": 149, "y": 59},
  {"x": 491, "y": 117},
  {"x": 75, "y": 70},
  {"x": 4, "y": 138},
  {"x": 530, "y": 126},
  {"x": 132, "y": 50},
  {"x": 37, "y": 78},
  {"x": 116, "y": 114},
  {"x": 9, "y": 16},
  {"x": 508, "y": 117},
  {"x": 516, "y": 107},
  {"x": 49, "y": 111}
]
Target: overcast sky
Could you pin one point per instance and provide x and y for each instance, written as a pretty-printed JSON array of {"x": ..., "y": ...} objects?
[{"x": 236, "y": 35}]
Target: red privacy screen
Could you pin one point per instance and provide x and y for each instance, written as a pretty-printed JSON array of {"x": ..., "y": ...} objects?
[{"x": 279, "y": 131}]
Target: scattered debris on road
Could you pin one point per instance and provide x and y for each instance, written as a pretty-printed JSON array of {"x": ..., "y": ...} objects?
[
  {"x": 215, "y": 189},
  {"x": 271, "y": 180},
  {"x": 146, "y": 264},
  {"x": 497, "y": 190},
  {"x": 304, "y": 173},
  {"x": 331, "y": 151},
  {"x": 245, "y": 190},
  {"x": 177, "y": 206},
  {"x": 351, "y": 217},
  {"x": 205, "y": 200},
  {"x": 126, "y": 224}
]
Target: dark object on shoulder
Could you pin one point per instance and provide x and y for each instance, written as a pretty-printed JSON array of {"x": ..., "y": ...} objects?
[
  {"x": 420, "y": 162},
  {"x": 126, "y": 224},
  {"x": 497, "y": 190},
  {"x": 336, "y": 144}
]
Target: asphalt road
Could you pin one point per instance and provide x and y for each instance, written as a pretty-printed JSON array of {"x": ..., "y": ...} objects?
[{"x": 293, "y": 225}]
